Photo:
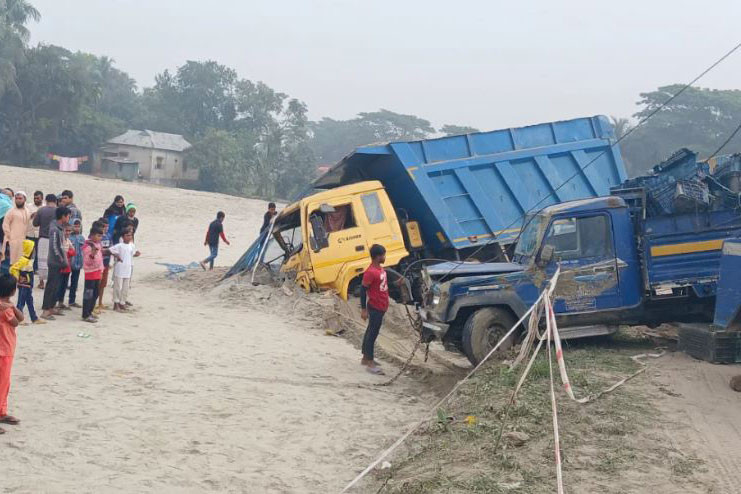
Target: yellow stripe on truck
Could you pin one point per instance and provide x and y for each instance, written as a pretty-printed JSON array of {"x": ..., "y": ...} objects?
[{"x": 686, "y": 248}]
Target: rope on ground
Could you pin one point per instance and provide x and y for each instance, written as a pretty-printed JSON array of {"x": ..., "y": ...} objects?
[
  {"x": 551, "y": 333},
  {"x": 444, "y": 399}
]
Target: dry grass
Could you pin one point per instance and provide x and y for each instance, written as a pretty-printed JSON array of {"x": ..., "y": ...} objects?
[{"x": 610, "y": 445}]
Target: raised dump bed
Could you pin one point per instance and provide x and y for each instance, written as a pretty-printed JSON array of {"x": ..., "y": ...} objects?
[{"x": 474, "y": 188}]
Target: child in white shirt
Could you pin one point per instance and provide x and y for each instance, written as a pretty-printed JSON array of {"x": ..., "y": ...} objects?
[{"x": 124, "y": 252}]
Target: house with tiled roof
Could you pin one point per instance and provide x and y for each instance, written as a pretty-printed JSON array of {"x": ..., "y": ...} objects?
[{"x": 156, "y": 157}]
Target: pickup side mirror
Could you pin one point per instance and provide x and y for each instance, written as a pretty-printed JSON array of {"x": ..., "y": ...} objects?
[
  {"x": 546, "y": 255},
  {"x": 319, "y": 239}
]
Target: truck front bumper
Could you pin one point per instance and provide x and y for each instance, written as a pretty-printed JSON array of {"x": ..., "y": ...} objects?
[{"x": 432, "y": 327}]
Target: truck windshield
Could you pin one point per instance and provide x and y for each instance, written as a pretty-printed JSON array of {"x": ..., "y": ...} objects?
[{"x": 529, "y": 237}]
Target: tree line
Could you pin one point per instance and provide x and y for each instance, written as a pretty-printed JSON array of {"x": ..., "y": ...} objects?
[{"x": 248, "y": 138}]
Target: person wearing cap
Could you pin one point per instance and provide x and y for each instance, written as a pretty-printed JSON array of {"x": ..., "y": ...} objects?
[
  {"x": 128, "y": 220},
  {"x": 15, "y": 227}
]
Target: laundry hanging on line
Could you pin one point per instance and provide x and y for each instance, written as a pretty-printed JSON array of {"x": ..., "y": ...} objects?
[{"x": 67, "y": 164}]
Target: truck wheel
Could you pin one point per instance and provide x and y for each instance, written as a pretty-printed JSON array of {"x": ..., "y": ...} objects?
[{"x": 483, "y": 329}]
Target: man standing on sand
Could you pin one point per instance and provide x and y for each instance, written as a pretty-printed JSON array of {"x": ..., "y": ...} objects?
[
  {"x": 44, "y": 218},
  {"x": 33, "y": 231},
  {"x": 268, "y": 216},
  {"x": 33, "y": 208},
  {"x": 215, "y": 231},
  {"x": 374, "y": 302},
  {"x": 15, "y": 227},
  {"x": 66, "y": 199},
  {"x": 57, "y": 260}
]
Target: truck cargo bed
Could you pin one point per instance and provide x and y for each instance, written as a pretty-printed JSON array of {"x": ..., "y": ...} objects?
[{"x": 470, "y": 189}]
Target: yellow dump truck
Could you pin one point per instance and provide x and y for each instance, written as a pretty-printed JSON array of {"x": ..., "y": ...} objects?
[{"x": 324, "y": 239}]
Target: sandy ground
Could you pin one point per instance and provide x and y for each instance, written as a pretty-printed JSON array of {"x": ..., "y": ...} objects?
[
  {"x": 191, "y": 392},
  {"x": 701, "y": 416}
]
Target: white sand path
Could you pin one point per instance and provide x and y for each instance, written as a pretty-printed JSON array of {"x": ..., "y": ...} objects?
[{"x": 187, "y": 394}]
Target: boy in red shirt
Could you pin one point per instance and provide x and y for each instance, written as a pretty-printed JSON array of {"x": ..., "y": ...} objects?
[
  {"x": 92, "y": 263},
  {"x": 374, "y": 302},
  {"x": 10, "y": 317}
]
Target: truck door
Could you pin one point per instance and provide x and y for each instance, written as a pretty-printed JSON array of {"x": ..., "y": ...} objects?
[
  {"x": 344, "y": 238},
  {"x": 583, "y": 245}
]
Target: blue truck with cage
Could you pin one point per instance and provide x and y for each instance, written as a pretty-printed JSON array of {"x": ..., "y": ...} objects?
[{"x": 660, "y": 248}]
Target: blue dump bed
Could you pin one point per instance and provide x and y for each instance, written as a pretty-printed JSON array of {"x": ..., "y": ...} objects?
[{"x": 472, "y": 189}]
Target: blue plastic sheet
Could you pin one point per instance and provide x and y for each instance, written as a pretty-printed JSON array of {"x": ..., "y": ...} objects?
[
  {"x": 174, "y": 269},
  {"x": 5, "y": 204}
]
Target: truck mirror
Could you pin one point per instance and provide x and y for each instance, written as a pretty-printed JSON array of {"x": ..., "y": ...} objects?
[
  {"x": 319, "y": 239},
  {"x": 546, "y": 255},
  {"x": 326, "y": 208}
]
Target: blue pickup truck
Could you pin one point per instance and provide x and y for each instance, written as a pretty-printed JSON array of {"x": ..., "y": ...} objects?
[{"x": 619, "y": 266}]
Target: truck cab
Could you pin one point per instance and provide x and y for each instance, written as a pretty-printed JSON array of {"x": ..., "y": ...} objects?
[
  {"x": 599, "y": 285},
  {"x": 323, "y": 240}
]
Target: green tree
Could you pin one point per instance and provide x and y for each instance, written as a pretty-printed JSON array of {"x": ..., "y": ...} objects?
[
  {"x": 14, "y": 15},
  {"x": 699, "y": 119},
  {"x": 67, "y": 103},
  {"x": 333, "y": 139},
  {"x": 454, "y": 130},
  {"x": 620, "y": 125},
  {"x": 219, "y": 156}
]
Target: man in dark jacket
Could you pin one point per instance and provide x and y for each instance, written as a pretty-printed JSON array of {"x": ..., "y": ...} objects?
[
  {"x": 44, "y": 217},
  {"x": 214, "y": 233},
  {"x": 57, "y": 261}
]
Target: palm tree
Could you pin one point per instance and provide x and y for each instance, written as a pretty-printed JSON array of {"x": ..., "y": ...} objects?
[
  {"x": 14, "y": 15},
  {"x": 621, "y": 126}
]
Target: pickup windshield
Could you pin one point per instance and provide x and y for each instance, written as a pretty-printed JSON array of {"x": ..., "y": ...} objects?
[{"x": 529, "y": 237}]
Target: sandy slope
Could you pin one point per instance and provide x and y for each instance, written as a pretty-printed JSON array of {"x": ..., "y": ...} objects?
[
  {"x": 701, "y": 416},
  {"x": 189, "y": 393}
]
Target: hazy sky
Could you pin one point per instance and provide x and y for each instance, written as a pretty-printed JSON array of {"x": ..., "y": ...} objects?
[{"x": 488, "y": 64}]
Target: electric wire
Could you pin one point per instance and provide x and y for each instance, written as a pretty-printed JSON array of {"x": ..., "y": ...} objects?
[{"x": 612, "y": 145}]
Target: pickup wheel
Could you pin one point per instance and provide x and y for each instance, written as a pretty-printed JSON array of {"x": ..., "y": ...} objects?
[{"x": 483, "y": 329}]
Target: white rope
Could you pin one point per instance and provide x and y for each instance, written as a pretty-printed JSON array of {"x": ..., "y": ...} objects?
[{"x": 417, "y": 424}]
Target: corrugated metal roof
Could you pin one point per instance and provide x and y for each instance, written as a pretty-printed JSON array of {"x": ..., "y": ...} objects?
[{"x": 151, "y": 139}]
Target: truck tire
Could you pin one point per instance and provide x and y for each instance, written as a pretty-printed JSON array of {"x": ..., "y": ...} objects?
[{"x": 483, "y": 329}]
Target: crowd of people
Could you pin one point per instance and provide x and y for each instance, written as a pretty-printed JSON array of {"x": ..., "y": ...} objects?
[{"x": 44, "y": 239}]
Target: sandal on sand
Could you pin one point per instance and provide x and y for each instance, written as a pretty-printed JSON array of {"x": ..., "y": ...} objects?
[
  {"x": 49, "y": 318},
  {"x": 39, "y": 321},
  {"x": 10, "y": 420},
  {"x": 90, "y": 319},
  {"x": 375, "y": 370}
]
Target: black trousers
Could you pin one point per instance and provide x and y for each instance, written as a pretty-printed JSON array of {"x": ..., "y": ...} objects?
[
  {"x": 89, "y": 297},
  {"x": 375, "y": 319},
  {"x": 51, "y": 290}
]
